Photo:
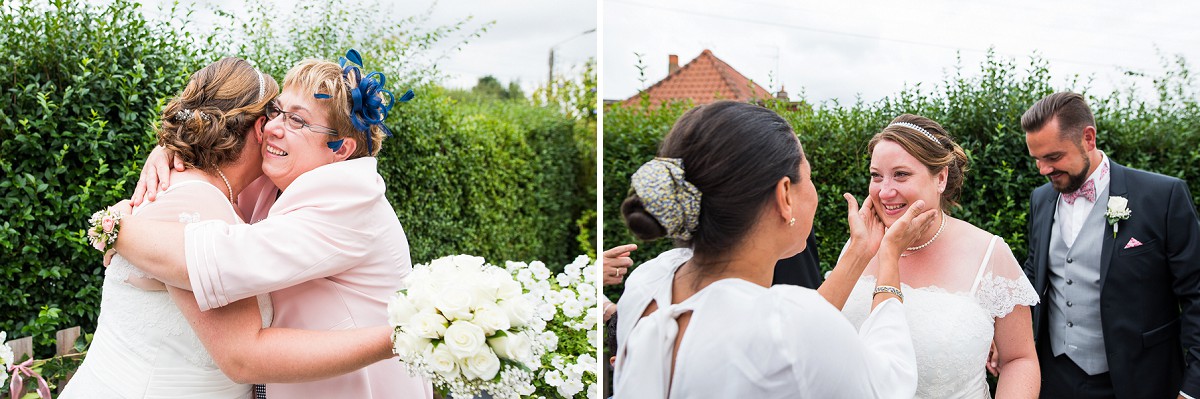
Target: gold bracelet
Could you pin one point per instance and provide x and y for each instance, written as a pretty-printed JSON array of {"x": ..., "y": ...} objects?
[{"x": 887, "y": 289}]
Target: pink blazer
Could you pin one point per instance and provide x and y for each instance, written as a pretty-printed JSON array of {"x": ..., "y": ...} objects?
[{"x": 330, "y": 252}]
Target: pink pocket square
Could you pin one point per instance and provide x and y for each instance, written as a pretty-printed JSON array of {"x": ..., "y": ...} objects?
[{"x": 1133, "y": 242}]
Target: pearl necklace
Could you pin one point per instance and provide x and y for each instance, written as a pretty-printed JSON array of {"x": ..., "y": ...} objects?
[
  {"x": 231, "y": 189},
  {"x": 926, "y": 244}
]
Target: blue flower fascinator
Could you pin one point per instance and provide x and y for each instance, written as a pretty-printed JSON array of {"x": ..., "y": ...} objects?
[{"x": 367, "y": 96}]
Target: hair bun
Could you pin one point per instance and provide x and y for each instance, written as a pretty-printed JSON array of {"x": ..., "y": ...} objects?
[{"x": 641, "y": 223}]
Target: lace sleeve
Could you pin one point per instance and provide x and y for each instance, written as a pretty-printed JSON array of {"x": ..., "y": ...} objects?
[{"x": 1004, "y": 285}]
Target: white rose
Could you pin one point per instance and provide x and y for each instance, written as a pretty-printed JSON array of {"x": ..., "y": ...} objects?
[
  {"x": 483, "y": 365},
  {"x": 407, "y": 345},
  {"x": 508, "y": 289},
  {"x": 464, "y": 339},
  {"x": 400, "y": 310},
  {"x": 441, "y": 361},
  {"x": 427, "y": 325},
  {"x": 572, "y": 308},
  {"x": 512, "y": 346},
  {"x": 490, "y": 318},
  {"x": 455, "y": 302},
  {"x": 519, "y": 311},
  {"x": 469, "y": 262},
  {"x": 442, "y": 263},
  {"x": 1117, "y": 203},
  {"x": 420, "y": 288}
]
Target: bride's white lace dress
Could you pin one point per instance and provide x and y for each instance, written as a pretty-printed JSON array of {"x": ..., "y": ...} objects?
[
  {"x": 952, "y": 322},
  {"x": 143, "y": 346}
]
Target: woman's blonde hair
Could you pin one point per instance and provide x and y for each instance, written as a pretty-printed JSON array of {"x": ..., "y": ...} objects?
[
  {"x": 205, "y": 125},
  {"x": 323, "y": 77}
]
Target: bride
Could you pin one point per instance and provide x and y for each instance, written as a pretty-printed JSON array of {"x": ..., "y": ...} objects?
[
  {"x": 146, "y": 342},
  {"x": 963, "y": 285}
]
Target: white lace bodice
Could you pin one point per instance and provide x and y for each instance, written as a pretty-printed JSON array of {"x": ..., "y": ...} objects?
[
  {"x": 952, "y": 329},
  {"x": 143, "y": 346}
]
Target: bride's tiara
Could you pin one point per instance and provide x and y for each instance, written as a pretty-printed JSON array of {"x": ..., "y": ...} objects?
[{"x": 919, "y": 129}]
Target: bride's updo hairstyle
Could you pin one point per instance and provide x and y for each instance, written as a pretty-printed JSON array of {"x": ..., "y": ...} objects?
[
  {"x": 206, "y": 124},
  {"x": 927, "y": 141},
  {"x": 726, "y": 156}
]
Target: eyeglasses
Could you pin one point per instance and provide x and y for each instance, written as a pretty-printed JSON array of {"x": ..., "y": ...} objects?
[{"x": 294, "y": 122}]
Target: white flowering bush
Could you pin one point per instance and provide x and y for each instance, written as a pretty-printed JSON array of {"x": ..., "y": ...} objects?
[
  {"x": 469, "y": 327},
  {"x": 566, "y": 314},
  {"x": 6, "y": 356}
]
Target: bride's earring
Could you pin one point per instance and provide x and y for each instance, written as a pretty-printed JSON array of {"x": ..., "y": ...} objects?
[{"x": 792, "y": 222}]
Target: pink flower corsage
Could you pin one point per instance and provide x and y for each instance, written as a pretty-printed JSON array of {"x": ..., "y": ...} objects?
[{"x": 105, "y": 224}]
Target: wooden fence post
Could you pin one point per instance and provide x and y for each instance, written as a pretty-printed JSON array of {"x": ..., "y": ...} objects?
[{"x": 65, "y": 345}]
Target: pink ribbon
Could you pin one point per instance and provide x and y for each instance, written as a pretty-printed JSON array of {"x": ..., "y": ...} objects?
[{"x": 16, "y": 387}]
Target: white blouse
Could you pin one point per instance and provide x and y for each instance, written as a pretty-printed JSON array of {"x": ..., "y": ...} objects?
[{"x": 745, "y": 340}]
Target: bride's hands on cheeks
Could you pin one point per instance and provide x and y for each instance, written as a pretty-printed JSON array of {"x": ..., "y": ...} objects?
[
  {"x": 908, "y": 229},
  {"x": 866, "y": 229}
]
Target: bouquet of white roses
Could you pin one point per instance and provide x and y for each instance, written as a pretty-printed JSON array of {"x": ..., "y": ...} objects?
[
  {"x": 465, "y": 325},
  {"x": 566, "y": 314}
]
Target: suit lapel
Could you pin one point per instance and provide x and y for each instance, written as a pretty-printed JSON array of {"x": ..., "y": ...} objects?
[
  {"x": 1046, "y": 220},
  {"x": 1116, "y": 187}
]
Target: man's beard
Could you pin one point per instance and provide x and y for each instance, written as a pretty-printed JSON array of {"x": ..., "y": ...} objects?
[{"x": 1074, "y": 181}]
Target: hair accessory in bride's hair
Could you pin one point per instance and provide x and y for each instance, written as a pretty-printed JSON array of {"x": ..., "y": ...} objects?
[
  {"x": 919, "y": 129},
  {"x": 367, "y": 105},
  {"x": 185, "y": 114},
  {"x": 262, "y": 86},
  {"x": 105, "y": 224},
  {"x": 668, "y": 196}
]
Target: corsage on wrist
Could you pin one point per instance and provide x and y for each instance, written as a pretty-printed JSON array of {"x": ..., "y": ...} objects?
[{"x": 103, "y": 233}]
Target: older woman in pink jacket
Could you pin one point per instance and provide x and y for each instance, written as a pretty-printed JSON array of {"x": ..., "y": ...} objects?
[{"x": 325, "y": 242}]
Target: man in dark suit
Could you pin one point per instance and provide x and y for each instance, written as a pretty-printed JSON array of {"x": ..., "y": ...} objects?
[
  {"x": 804, "y": 269},
  {"x": 1114, "y": 253}
]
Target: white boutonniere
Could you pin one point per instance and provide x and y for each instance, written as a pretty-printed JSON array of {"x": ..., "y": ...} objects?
[{"x": 1118, "y": 210}]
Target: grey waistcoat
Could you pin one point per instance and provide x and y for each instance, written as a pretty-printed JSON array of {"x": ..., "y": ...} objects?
[{"x": 1074, "y": 298}]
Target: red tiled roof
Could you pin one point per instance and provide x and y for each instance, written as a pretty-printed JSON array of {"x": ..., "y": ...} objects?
[{"x": 704, "y": 80}]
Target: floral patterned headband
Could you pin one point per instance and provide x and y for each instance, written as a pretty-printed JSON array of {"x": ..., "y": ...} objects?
[{"x": 668, "y": 196}]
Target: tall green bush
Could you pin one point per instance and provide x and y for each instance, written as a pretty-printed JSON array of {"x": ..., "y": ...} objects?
[
  {"x": 981, "y": 110},
  {"x": 81, "y": 86}
]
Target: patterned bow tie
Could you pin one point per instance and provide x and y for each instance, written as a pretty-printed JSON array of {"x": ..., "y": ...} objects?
[{"x": 1088, "y": 191}]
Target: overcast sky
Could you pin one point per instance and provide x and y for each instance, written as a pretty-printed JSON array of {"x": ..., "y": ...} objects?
[
  {"x": 840, "y": 49},
  {"x": 515, "y": 48}
]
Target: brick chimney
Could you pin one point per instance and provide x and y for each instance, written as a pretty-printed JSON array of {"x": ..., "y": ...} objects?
[
  {"x": 782, "y": 94},
  {"x": 672, "y": 63}
]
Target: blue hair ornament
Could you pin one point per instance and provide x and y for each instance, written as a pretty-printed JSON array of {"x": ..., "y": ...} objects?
[
  {"x": 335, "y": 145},
  {"x": 367, "y": 105}
]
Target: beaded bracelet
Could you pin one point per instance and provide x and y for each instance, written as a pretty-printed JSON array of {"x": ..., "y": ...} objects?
[
  {"x": 887, "y": 289},
  {"x": 105, "y": 224}
]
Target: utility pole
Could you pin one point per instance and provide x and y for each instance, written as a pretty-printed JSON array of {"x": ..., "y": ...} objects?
[{"x": 551, "y": 75}]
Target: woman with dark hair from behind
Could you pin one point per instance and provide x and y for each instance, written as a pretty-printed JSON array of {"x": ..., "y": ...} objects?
[{"x": 732, "y": 187}]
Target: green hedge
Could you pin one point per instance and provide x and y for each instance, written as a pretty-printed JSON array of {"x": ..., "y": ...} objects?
[
  {"x": 83, "y": 85},
  {"x": 982, "y": 111}
]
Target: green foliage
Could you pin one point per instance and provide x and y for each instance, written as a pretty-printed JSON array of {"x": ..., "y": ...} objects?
[
  {"x": 982, "y": 111},
  {"x": 81, "y": 85},
  {"x": 574, "y": 95},
  {"x": 493, "y": 179}
]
